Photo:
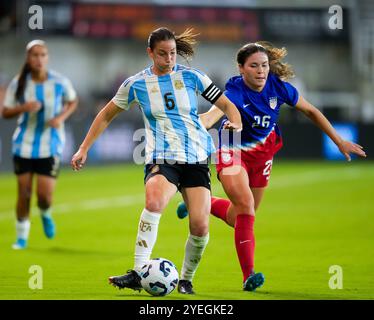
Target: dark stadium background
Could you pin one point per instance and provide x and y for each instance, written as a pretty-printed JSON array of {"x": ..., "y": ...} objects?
[{"x": 98, "y": 44}]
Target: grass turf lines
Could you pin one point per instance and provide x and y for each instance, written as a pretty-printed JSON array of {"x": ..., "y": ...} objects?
[{"x": 314, "y": 215}]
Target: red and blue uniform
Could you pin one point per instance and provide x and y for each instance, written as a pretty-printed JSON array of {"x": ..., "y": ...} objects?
[{"x": 254, "y": 147}]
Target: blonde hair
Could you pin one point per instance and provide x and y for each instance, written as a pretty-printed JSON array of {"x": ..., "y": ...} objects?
[{"x": 275, "y": 55}]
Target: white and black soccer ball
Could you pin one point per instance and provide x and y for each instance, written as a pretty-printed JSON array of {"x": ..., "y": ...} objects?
[{"x": 159, "y": 277}]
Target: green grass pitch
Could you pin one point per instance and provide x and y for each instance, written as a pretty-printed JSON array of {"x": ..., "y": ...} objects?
[{"x": 314, "y": 215}]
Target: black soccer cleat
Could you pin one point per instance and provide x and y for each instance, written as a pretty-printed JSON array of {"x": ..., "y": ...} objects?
[
  {"x": 254, "y": 281},
  {"x": 130, "y": 280},
  {"x": 185, "y": 287}
]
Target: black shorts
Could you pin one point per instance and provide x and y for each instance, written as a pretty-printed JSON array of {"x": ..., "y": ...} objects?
[
  {"x": 45, "y": 166},
  {"x": 182, "y": 175}
]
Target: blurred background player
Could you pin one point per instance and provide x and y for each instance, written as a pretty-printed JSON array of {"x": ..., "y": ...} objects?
[
  {"x": 42, "y": 100},
  {"x": 244, "y": 169},
  {"x": 177, "y": 149}
]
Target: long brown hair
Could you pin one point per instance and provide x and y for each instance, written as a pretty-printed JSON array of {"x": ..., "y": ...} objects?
[
  {"x": 22, "y": 82},
  {"x": 275, "y": 55},
  {"x": 185, "y": 42},
  {"x": 21, "y": 85}
]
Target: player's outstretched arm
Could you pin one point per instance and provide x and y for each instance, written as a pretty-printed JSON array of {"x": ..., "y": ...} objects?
[
  {"x": 345, "y": 147},
  {"x": 102, "y": 120},
  {"x": 229, "y": 109},
  {"x": 210, "y": 117}
]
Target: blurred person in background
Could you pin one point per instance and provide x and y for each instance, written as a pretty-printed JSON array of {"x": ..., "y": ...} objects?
[
  {"x": 244, "y": 169},
  {"x": 42, "y": 99},
  {"x": 177, "y": 149}
]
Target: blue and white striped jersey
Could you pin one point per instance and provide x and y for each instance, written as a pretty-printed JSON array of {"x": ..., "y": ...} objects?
[
  {"x": 169, "y": 106},
  {"x": 33, "y": 138}
]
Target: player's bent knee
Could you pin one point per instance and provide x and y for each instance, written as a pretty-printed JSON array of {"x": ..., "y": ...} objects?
[
  {"x": 154, "y": 204},
  {"x": 244, "y": 207},
  {"x": 199, "y": 233},
  {"x": 199, "y": 229},
  {"x": 44, "y": 202}
]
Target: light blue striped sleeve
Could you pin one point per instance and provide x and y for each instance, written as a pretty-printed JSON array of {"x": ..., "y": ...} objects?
[
  {"x": 69, "y": 93},
  {"x": 125, "y": 95},
  {"x": 10, "y": 94},
  {"x": 202, "y": 80},
  {"x": 208, "y": 90}
]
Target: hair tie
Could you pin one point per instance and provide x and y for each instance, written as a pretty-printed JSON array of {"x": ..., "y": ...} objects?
[{"x": 33, "y": 43}]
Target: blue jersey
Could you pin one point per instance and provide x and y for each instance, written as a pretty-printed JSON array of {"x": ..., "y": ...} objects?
[
  {"x": 33, "y": 138},
  {"x": 259, "y": 110},
  {"x": 169, "y": 106}
]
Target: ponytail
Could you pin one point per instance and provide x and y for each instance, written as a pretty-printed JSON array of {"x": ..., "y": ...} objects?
[
  {"x": 275, "y": 55},
  {"x": 22, "y": 82},
  {"x": 282, "y": 69},
  {"x": 184, "y": 42}
]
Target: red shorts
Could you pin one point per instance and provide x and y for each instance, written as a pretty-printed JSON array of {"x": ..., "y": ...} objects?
[{"x": 257, "y": 162}]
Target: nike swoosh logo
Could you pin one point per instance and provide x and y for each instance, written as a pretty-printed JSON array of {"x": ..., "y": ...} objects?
[
  {"x": 246, "y": 105},
  {"x": 241, "y": 242}
]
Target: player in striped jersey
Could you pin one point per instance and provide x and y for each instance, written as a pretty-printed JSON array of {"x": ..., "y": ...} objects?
[
  {"x": 177, "y": 148},
  {"x": 42, "y": 100},
  {"x": 244, "y": 169}
]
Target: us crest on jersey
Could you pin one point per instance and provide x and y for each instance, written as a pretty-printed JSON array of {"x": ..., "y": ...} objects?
[
  {"x": 226, "y": 157},
  {"x": 273, "y": 102}
]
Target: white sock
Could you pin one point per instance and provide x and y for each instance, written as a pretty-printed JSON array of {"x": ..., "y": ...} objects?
[
  {"x": 23, "y": 229},
  {"x": 195, "y": 247},
  {"x": 146, "y": 238},
  {"x": 46, "y": 212}
]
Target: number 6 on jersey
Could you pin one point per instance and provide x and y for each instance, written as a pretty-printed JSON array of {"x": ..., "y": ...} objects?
[{"x": 169, "y": 102}]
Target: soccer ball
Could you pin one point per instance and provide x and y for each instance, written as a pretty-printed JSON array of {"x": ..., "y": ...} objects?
[{"x": 159, "y": 277}]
